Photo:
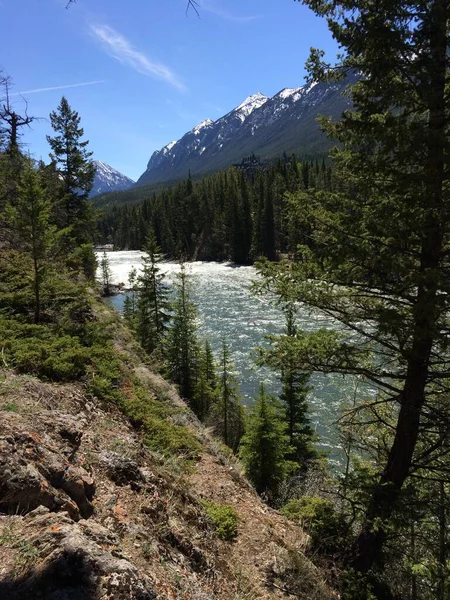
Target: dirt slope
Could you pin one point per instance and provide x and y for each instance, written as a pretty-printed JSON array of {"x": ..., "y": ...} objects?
[{"x": 88, "y": 512}]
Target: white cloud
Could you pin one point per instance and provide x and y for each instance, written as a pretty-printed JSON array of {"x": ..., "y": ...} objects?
[
  {"x": 213, "y": 7},
  {"x": 57, "y": 87},
  {"x": 120, "y": 48}
]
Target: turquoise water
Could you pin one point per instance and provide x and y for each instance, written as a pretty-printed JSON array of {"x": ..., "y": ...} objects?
[{"x": 227, "y": 308}]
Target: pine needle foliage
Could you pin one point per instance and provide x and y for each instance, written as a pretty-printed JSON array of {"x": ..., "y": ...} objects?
[
  {"x": 377, "y": 256},
  {"x": 182, "y": 344},
  {"x": 153, "y": 305},
  {"x": 265, "y": 446}
]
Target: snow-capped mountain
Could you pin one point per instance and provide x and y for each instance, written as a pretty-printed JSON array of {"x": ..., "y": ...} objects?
[
  {"x": 108, "y": 179},
  {"x": 267, "y": 127}
]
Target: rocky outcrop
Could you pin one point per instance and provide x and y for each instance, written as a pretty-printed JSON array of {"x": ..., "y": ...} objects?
[
  {"x": 77, "y": 561},
  {"x": 122, "y": 470},
  {"x": 36, "y": 470}
]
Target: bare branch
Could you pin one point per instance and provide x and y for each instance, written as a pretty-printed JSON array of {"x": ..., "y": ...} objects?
[{"x": 193, "y": 4}]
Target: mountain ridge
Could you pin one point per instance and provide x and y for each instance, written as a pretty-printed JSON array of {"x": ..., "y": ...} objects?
[
  {"x": 267, "y": 126},
  {"x": 108, "y": 179}
]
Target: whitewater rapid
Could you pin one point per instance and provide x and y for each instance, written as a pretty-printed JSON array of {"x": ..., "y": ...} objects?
[{"x": 228, "y": 308}]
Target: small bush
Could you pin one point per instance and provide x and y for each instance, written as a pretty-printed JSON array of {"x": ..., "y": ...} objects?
[
  {"x": 105, "y": 374},
  {"x": 303, "y": 580},
  {"x": 153, "y": 416},
  {"x": 318, "y": 516},
  {"x": 36, "y": 350},
  {"x": 224, "y": 519}
]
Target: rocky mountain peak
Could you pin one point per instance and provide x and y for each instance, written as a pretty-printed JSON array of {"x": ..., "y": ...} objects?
[
  {"x": 267, "y": 127},
  {"x": 250, "y": 104},
  {"x": 108, "y": 179},
  {"x": 202, "y": 125}
]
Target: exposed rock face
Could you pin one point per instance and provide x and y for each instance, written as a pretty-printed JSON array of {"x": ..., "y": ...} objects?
[
  {"x": 34, "y": 471},
  {"x": 78, "y": 562},
  {"x": 123, "y": 470}
]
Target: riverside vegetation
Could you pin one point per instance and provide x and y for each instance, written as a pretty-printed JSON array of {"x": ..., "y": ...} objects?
[
  {"x": 109, "y": 486},
  {"x": 368, "y": 246}
]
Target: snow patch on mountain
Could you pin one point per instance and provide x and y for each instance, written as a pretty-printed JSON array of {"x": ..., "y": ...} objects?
[
  {"x": 107, "y": 179},
  {"x": 202, "y": 125},
  {"x": 289, "y": 93},
  {"x": 246, "y": 108}
]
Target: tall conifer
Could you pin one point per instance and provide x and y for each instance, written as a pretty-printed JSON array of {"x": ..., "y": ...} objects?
[
  {"x": 265, "y": 445},
  {"x": 30, "y": 219},
  {"x": 379, "y": 263},
  {"x": 153, "y": 306},
  {"x": 75, "y": 167},
  {"x": 183, "y": 347}
]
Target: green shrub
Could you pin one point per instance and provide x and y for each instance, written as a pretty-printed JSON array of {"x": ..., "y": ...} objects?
[
  {"x": 224, "y": 519},
  {"x": 105, "y": 375},
  {"x": 37, "y": 350},
  {"x": 168, "y": 438},
  {"x": 317, "y": 515},
  {"x": 356, "y": 586},
  {"x": 153, "y": 417}
]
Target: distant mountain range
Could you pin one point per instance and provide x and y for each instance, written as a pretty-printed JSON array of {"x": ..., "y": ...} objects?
[
  {"x": 108, "y": 179},
  {"x": 268, "y": 127}
]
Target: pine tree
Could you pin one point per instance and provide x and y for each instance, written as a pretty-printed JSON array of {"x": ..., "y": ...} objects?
[
  {"x": 106, "y": 274},
  {"x": 130, "y": 302},
  {"x": 183, "y": 348},
  {"x": 153, "y": 306},
  {"x": 294, "y": 391},
  {"x": 265, "y": 445},
  {"x": 76, "y": 168},
  {"x": 30, "y": 219},
  {"x": 378, "y": 263},
  {"x": 207, "y": 389},
  {"x": 228, "y": 415}
]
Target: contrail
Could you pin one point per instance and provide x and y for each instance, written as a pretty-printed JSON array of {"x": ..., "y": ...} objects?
[{"x": 57, "y": 87}]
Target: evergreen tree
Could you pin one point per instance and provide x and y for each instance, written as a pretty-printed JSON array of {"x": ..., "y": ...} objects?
[
  {"x": 183, "y": 348},
  {"x": 106, "y": 274},
  {"x": 294, "y": 391},
  {"x": 379, "y": 262},
  {"x": 130, "y": 302},
  {"x": 30, "y": 219},
  {"x": 76, "y": 169},
  {"x": 207, "y": 390},
  {"x": 209, "y": 365},
  {"x": 265, "y": 445},
  {"x": 153, "y": 306},
  {"x": 228, "y": 413}
]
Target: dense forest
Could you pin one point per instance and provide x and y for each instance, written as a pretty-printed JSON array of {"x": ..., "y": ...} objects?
[{"x": 235, "y": 215}]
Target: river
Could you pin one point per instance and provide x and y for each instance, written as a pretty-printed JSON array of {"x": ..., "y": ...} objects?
[{"x": 227, "y": 308}]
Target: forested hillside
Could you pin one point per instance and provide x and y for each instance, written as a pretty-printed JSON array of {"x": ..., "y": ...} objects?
[{"x": 237, "y": 215}]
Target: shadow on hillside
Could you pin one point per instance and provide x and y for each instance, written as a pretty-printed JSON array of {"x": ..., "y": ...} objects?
[{"x": 68, "y": 577}]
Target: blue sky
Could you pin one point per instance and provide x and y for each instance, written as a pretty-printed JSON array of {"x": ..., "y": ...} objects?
[{"x": 141, "y": 72}]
